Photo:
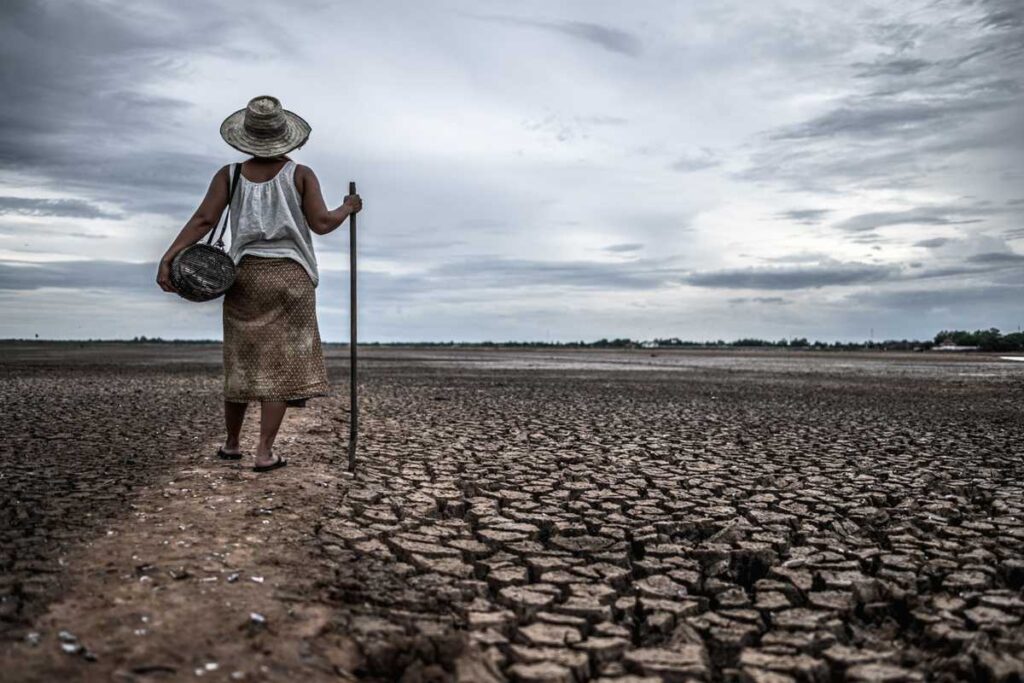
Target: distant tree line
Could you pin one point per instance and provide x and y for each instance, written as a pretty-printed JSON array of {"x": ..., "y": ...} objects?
[
  {"x": 984, "y": 340},
  {"x": 745, "y": 341},
  {"x": 143, "y": 339}
]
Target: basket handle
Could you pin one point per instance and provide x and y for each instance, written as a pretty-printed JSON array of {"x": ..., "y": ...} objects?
[{"x": 231, "y": 195}]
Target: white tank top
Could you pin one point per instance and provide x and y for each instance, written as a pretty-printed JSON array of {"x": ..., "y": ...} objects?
[{"x": 267, "y": 220}]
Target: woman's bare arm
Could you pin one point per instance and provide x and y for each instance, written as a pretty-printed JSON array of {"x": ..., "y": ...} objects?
[
  {"x": 321, "y": 219},
  {"x": 206, "y": 217}
]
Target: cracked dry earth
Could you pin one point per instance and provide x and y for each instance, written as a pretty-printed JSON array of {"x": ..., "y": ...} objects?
[{"x": 803, "y": 519}]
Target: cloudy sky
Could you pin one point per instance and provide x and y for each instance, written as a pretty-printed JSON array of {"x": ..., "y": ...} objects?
[{"x": 535, "y": 170}]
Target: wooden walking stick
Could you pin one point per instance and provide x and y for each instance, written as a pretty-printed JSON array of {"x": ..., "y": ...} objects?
[{"x": 353, "y": 432}]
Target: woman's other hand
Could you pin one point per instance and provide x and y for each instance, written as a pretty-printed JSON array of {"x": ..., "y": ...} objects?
[
  {"x": 163, "y": 277},
  {"x": 353, "y": 203}
]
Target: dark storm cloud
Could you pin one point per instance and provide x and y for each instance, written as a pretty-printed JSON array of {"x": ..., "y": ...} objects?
[
  {"x": 798, "y": 257},
  {"x": 493, "y": 272},
  {"x": 77, "y": 275},
  {"x": 1004, "y": 14},
  {"x": 804, "y": 216},
  {"x": 924, "y": 215},
  {"x": 996, "y": 257},
  {"x": 875, "y": 117},
  {"x": 624, "y": 247},
  {"x": 987, "y": 266},
  {"x": 910, "y": 112},
  {"x": 891, "y": 67},
  {"x": 818, "y": 167},
  {"x": 918, "y": 300},
  {"x": 767, "y": 300},
  {"x": 135, "y": 279},
  {"x": 932, "y": 242},
  {"x": 943, "y": 272},
  {"x": 611, "y": 39},
  {"x": 74, "y": 109},
  {"x": 34, "y": 229},
  {"x": 867, "y": 238},
  {"x": 482, "y": 273},
  {"x": 791, "y": 277},
  {"x": 69, "y": 208}
]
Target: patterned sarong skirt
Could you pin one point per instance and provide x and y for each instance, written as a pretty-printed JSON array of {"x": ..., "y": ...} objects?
[{"x": 271, "y": 340}]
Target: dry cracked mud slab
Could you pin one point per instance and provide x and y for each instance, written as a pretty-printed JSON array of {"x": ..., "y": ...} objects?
[
  {"x": 809, "y": 523},
  {"x": 700, "y": 526}
]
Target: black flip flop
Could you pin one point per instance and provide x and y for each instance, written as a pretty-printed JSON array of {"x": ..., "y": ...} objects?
[
  {"x": 224, "y": 455},
  {"x": 280, "y": 462}
]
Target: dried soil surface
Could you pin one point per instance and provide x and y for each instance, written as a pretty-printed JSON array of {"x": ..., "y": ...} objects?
[{"x": 527, "y": 516}]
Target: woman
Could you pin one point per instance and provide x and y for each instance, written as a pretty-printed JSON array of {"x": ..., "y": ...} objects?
[{"x": 272, "y": 348}]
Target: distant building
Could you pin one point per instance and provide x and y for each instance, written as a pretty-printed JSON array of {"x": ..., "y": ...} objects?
[{"x": 948, "y": 345}]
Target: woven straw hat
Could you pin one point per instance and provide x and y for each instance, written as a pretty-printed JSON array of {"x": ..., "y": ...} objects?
[{"x": 264, "y": 129}]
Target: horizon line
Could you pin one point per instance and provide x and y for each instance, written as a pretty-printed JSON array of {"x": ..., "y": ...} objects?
[{"x": 141, "y": 339}]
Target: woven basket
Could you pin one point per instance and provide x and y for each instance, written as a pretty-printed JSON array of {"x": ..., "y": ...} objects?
[{"x": 202, "y": 272}]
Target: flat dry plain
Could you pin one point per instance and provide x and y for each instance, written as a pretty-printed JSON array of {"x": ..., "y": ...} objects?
[{"x": 517, "y": 515}]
